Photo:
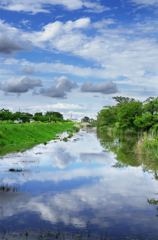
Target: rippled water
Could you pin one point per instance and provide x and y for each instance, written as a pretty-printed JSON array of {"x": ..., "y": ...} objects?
[{"x": 91, "y": 186}]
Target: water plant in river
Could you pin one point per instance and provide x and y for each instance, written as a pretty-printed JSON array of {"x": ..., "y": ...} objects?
[
  {"x": 65, "y": 139},
  {"x": 57, "y": 234},
  {"x": 15, "y": 170},
  {"x": 147, "y": 147},
  {"x": 7, "y": 188},
  {"x": 70, "y": 135}
]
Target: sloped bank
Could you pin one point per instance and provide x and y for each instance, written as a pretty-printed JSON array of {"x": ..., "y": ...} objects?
[{"x": 14, "y": 137}]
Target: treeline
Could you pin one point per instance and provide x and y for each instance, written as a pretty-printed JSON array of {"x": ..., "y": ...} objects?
[
  {"x": 5, "y": 114},
  {"x": 129, "y": 113}
]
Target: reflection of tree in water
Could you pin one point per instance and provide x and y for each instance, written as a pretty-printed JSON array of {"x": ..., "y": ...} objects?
[
  {"x": 151, "y": 167},
  {"x": 122, "y": 146},
  {"x": 119, "y": 165},
  {"x": 108, "y": 142},
  {"x": 153, "y": 202}
]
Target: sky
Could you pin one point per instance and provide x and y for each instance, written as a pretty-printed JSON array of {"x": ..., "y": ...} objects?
[{"x": 73, "y": 56}]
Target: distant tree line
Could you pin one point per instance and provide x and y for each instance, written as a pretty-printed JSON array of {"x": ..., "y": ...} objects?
[
  {"x": 5, "y": 114},
  {"x": 129, "y": 113}
]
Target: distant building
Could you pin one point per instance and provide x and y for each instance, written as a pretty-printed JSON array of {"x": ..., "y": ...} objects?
[
  {"x": 91, "y": 120},
  {"x": 18, "y": 121},
  {"x": 31, "y": 120}
]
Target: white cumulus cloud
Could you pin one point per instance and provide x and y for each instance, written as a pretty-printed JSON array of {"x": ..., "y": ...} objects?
[{"x": 41, "y": 5}]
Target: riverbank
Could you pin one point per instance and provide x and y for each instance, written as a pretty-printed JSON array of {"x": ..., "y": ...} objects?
[
  {"x": 146, "y": 147},
  {"x": 13, "y": 136}
]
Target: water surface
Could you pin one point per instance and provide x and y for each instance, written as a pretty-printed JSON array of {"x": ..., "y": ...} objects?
[{"x": 92, "y": 186}]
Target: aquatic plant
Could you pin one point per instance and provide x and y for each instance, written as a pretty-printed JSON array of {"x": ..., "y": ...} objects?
[
  {"x": 65, "y": 139},
  {"x": 7, "y": 188},
  {"x": 15, "y": 170},
  {"x": 70, "y": 135},
  {"x": 147, "y": 146}
]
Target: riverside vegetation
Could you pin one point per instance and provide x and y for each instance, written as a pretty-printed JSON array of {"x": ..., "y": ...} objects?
[
  {"x": 31, "y": 132},
  {"x": 123, "y": 146},
  {"x": 130, "y": 116},
  {"x": 14, "y": 137}
]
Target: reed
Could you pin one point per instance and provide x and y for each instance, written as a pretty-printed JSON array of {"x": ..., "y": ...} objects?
[{"x": 147, "y": 146}]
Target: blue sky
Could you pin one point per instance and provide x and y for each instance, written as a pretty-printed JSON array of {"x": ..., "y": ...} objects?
[{"x": 73, "y": 56}]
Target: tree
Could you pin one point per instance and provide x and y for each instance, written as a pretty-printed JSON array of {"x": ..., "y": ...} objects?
[
  {"x": 123, "y": 100},
  {"x": 107, "y": 116},
  {"x": 54, "y": 114},
  {"x": 16, "y": 115},
  {"x": 145, "y": 122},
  {"x": 5, "y": 114},
  {"x": 151, "y": 105},
  {"x": 86, "y": 118},
  {"x": 149, "y": 116},
  {"x": 37, "y": 114},
  {"x": 127, "y": 114}
]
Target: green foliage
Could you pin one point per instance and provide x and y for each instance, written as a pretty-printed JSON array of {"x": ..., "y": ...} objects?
[
  {"x": 65, "y": 139},
  {"x": 123, "y": 100},
  {"x": 70, "y": 135},
  {"x": 130, "y": 114},
  {"x": 16, "y": 116},
  {"x": 151, "y": 105},
  {"x": 54, "y": 114},
  {"x": 107, "y": 116},
  {"x": 155, "y": 128},
  {"x": 6, "y": 115},
  {"x": 38, "y": 114},
  {"x": 144, "y": 122},
  {"x": 86, "y": 118},
  {"x": 150, "y": 147},
  {"x": 127, "y": 114},
  {"x": 75, "y": 129},
  {"x": 30, "y": 132}
]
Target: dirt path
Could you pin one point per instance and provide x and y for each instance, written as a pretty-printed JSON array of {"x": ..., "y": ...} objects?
[{"x": 82, "y": 124}]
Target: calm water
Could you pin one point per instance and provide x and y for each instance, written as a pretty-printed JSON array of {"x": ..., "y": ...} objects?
[{"x": 90, "y": 186}]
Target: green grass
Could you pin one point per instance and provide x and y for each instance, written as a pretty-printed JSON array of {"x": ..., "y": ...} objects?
[
  {"x": 147, "y": 147},
  {"x": 116, "y": 130},
  {"x": 70, "y": 135},
  {"x": 14, "y": 137}
]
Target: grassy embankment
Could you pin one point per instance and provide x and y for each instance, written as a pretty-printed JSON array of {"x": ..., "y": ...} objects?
[{"x": 14, "y": 137}]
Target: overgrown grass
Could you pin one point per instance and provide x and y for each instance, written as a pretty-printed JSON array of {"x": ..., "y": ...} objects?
[
  {"x": 70, "y": 135},
  {"x": 110, "y": 130},
  {"x": 29, "y": 134},
  {"x": 147, "y": 147}
]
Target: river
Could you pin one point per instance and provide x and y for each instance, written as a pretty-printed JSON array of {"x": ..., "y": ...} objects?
[{"x": 90, "y": 187}]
